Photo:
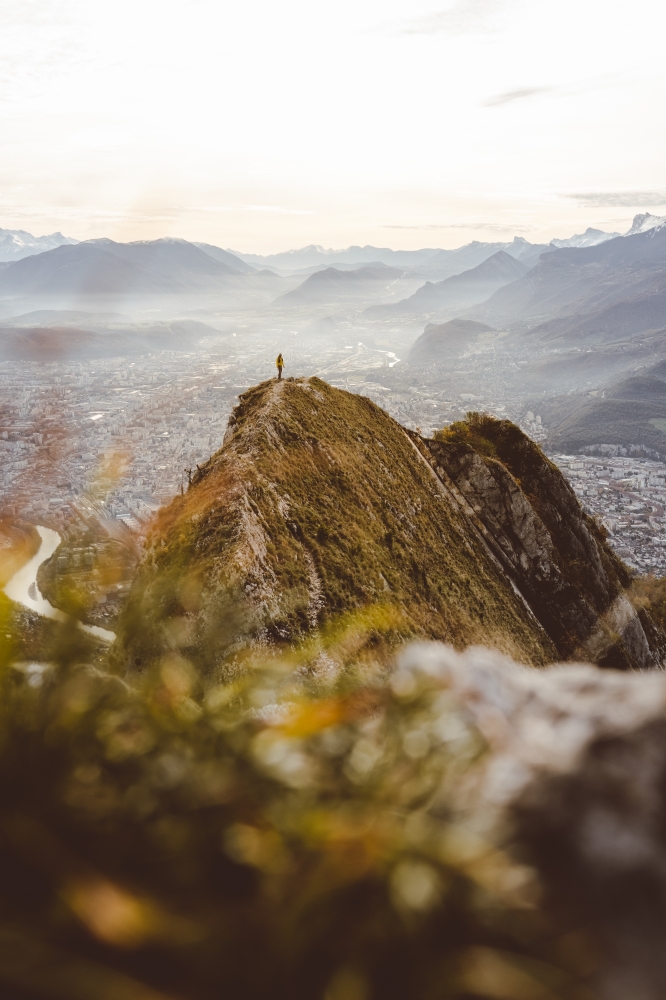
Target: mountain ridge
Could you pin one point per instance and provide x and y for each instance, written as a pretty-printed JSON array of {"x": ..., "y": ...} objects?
[
  {"x": 331, "y": 282},
  {"x": 104, "y": 267},
  {"x": 573, "y": 280},
  {"x": 320, "y": 505},
  {"x": 460, "y": 290}
]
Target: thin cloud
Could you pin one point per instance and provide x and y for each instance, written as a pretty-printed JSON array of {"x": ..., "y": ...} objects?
[
  {"x": 619, "y": 199},
  {"x": 564, "y": 90},
  {"x": 516, "y": 95}
]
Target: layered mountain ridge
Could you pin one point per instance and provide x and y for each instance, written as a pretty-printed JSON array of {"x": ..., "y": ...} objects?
[
  {"x": 460, "y": 290},
  {"x": 320, "y": 506},
  {"x": 99, "y": 267},
  {"x": 580, "y": 280}
]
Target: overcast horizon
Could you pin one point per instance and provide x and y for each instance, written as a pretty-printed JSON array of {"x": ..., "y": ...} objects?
[{"x": 395, "y": 124}]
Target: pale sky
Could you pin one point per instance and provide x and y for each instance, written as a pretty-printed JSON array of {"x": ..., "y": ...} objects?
[{"x": 271, "y": 124}]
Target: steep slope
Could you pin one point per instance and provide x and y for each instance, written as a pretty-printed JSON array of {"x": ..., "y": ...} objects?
[
  {"x": 444, "y": 341},
  {"x": 551, "y": 549},
  {"x": 645, "y": 387},
  {"x": 643, "y": 223},
  {"x": 464, "y": 289},
  {"x": 319, "y": 504},
  {"x": 224, "y": 257},
  {"x": 644, "y": 312},
  {"x": 580, "y": 280}
]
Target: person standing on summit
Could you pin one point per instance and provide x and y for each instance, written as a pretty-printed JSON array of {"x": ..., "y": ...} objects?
[{"x": 279, "y": 364}]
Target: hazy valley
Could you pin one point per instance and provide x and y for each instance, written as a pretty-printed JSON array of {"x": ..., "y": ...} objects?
[{"x": 141, "y": 349}]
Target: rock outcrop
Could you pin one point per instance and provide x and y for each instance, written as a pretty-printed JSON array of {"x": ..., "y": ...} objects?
[
  {"x": 576, "y": 770},
  {"x": 320, "y": 505},
  {"x": 555, "y": 553}
]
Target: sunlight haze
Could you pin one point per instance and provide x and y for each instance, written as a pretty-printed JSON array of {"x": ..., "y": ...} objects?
[{"x": 266, "y": 126}]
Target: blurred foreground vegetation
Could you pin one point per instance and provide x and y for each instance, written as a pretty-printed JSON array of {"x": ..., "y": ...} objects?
[
  {"x": 298, "y": 832},
  {"x": 18, "y": 543}
]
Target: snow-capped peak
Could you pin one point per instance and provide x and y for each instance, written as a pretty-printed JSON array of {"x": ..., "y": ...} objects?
[
  {"x": 16, "y": 243},
  {"x": 590, "y": 238},
  {"x": 643, "y": 223}
]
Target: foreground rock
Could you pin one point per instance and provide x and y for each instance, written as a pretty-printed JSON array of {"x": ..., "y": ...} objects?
[
  {"x": 457, "y": 827},
  {"x": 577, "y": 770}
]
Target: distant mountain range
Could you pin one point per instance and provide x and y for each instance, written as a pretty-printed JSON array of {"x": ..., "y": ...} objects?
[
  {"x": 104, "y": 267},
  {"x": 612, "y": 284},
  {"x": 591, "y": 285},
  {"x": 292, "y": 260},
  {"x": 590, "y": 238},
  {"x": 581, "y": 317},
  {"x": 434, "y": 264},
  {"x": 16, "y": 243},
  {"x": 448, "y": 263},
  {"x": 460, "y": 290}
]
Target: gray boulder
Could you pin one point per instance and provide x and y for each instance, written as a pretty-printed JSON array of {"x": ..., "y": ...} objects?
[{"x": 575, "y": 781}]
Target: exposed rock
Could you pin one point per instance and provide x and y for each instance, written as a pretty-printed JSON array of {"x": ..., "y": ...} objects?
[
  {"x": 551, "y": 548},
  {"x": 577, "y": 767}
]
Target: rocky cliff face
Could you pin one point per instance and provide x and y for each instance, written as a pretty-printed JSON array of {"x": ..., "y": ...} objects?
[
  {"x": 555, "y": 553},
  {"x": 320, "y": 505}
]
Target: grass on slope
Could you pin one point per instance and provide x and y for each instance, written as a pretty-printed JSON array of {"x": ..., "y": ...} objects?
[{"x": 319, "y": 503}]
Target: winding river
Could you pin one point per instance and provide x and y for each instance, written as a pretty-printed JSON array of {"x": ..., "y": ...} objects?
[{"x": 23, "y": 588}]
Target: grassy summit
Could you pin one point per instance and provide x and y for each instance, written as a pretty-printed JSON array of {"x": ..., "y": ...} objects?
[{"x": 318, "y": 503}]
